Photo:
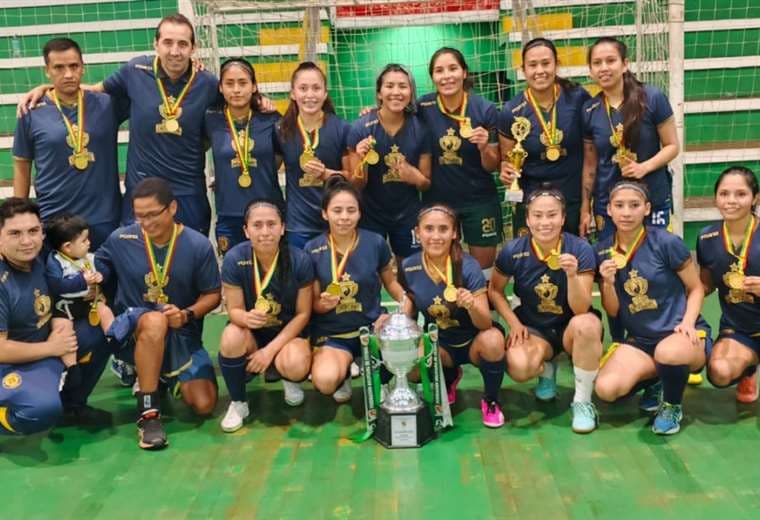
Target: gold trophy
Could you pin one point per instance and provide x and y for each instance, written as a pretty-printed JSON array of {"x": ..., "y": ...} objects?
[{"x": 520, "y": 130}]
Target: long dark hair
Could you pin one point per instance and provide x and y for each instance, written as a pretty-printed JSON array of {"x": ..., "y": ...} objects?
[
  {"x": 634, "y": 96},
  {"x": 288, "y": 125},
  {"x": 745, "y": 173},
  {"x": 459, "y": 57},
  {"x": 283, "y": 259},
  {"x": 336, "y": 184},
  {"x": 564, "y": 83},
  {"x": 411, "y": 108},
  {"x": 455, "y": 251},
  {"x": 248, "y": 68}
]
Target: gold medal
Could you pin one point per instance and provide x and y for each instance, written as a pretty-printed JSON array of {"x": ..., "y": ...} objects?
[
  {"x": 262, "y": 305},
  {"x": 552, "y": 153},
  {"x": 735, "y": 280},
  {"x": 620, "y": 260},
  {"x": 306, "y": 156},
  {"x": 93, "y": 318},
  {"x": 244, "y": 180},
  {"x": 333, "y": 289},
  {"x": 450, "y": 294},
  {"x": 553, "y": 261},
  {"x": 80, "y": 161},
  {"x": 171, "y": 125},
  {"x": 466, "y": 130},
  {"x": 372, "y": 157}
]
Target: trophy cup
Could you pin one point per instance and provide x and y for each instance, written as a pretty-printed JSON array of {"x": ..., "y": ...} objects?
[
  {"x": 520, "y": 130},
  {"x": 403, "y": 420}
]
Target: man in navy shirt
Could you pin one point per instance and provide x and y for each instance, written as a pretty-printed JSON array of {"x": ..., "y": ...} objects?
[
  {"x": 70, "y": 136},
  {"x": 31, "y": 355},
  {"x": 170, "y": 271}
]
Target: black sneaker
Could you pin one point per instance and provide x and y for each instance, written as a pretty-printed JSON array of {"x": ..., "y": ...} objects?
[{"x": 151, "y": 432}]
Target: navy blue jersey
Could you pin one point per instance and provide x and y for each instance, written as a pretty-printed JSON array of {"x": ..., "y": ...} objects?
[
  {"x": 304, "y": 196},
  {"x": 564, "y": 173},
  {"x": 41, "y": 136},
  {"x": 740, "y": 310},
  {"x": 237, "y": 271},
  {"x": 177, "y": 159},
  {"x": 652, "y": 296},
  {"x": 25, "y": 304},
  {"x": 454, "y": 323},
  {"x": 231, "y": 199},
  {"x": 386, "y": 199},
  {"x": 458, "y": 176},
  {"x": 542, "y": 291},
  {"x": 193, "y": 271},
  {"x": 360, "y": 284},
  {"x": 596, "y": 128}
]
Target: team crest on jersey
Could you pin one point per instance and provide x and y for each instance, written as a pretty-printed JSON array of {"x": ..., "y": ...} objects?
[
  {"x": 223, "y": 244},
  {"x": 636, "y": 287},
  {"x": 392, "y": 160},
  {"x": 348, "y": 291},
  {"x": 12, "y": 380},
  {"x": 442, "y": 314},
  {"x": 42, "y": 308},
  {"x": 450, "y": 144},
  {"x": 547, "y": 293}
]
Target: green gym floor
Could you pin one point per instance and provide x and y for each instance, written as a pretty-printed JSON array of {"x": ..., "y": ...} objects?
[{"x": 299, "y": 463}]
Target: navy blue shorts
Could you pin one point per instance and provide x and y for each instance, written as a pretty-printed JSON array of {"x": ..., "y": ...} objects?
[
  {"x": 751, "y": 341},
  {"x": 29, "y": 392},
  {"x": 553, "y": 336},
  {"x": 229, "y": 233},
  {"x": 648, "y": 345},
  {"x": 351, "y": 345},
  {"x": 400, "y": 235},
  {"x": 459, "y": 354}
]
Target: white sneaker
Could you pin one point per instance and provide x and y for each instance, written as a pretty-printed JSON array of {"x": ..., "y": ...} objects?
[
  {"x": 293, "y": 393},
  {"x": 236, "y": 414},
  {"x": 355, "y": 372},
  {"x": 343, "y": 393}
]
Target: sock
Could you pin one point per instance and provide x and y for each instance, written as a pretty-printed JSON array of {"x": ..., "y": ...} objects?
[
  {"x": 450, "y": 375},
  {"x": 549, "y": 370},
  {"x": 493, "y": 374},
  {"x": 73, "y": 377},
  {"x": 584, "y": 384},
  {"x": 674, "y": 379},
  {"x": 233, "y": 371},
  {"x": 148, "y": 402}
]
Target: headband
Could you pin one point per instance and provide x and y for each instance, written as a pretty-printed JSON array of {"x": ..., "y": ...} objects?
[
  {"x": 627, "y": 185},
  {"x": 437, "y": 207}
]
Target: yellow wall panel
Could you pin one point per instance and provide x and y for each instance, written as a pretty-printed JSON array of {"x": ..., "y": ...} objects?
[
  {"x": 568, "y": 56},
  {"x": 278, "y": 72},
  {"x": 541, "y": 22},
  {"x": 289, "y": 36}
]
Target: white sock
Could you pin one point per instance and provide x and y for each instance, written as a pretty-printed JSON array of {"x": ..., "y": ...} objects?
[
  {"x": 549, "y": 368},
  {"x": 584, "y": 384},
  {"x": 487, "y": 273}
]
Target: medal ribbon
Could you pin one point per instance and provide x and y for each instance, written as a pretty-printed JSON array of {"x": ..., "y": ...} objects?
[
  {"x": 76, "y": 139},
  {"x": 308, "y": 144},
  {"x": 456, "y": 117},
  {"x": 260, "y": 286},
  {"x": 243, "y": 152},
  {"x": 171, "y": 109},
  {"x": 448, "y": 278},
  {"x": 633, "y": 247},
  {"x": 338, "y": 271},
  {"x": 539, "y": 252},
  {"x": 608, "y": 109},
  {"x": 84, "y": 267},
  {"x": 549, "y": 131},
  {"x": 161, "y": 271},
  {"x": 746, "y": 242}
]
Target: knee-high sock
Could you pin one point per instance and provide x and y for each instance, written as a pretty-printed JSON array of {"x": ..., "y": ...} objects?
[
  {"x": 674, "y": 379},
  {"x": 584, "y": 384},
  {"x": 493, "y": 374},
  {"x": 233, "y": 371}
]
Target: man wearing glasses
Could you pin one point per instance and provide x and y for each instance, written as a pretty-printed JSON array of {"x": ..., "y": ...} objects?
[{"x": 168, "y": 276}]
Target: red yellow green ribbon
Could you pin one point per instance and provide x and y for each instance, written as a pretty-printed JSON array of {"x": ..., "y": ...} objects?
[
  {"x": 172, "y": 108},
  {"x": 243, "y": 152},
  {"x": 161, "y": 272},
  {"x": 460, "y": 118},
  {"x": 260, "y": 286},
  {"x": 549, "y": 131},
  {"x": 77, "y": 140},
  {"x": 335, "y": 268},
  {"x": 746, "y": 242},
  {"x": 308, "y": 144}
]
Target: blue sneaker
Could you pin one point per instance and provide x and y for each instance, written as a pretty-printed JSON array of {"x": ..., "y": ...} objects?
[
  {"x": 668, "y": 419},
  {"x": 585, "y": 417},
  {"x": 123, "y": 371},
  {"x": 650, "y": 399},
  {"x": 546, "y": 390},
  {"x": 124, "y": 324}
]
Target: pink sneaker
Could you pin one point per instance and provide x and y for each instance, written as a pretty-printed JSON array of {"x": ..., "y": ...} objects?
[
  {"x": 746, "y": 390},
  {"x": 492, "y": 414},
  {"x": 452, "y": 390}
]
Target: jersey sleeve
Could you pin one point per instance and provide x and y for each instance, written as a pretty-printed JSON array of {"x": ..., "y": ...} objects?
[
  {"x": 472, "y": 276},
  {"x": 345, "y": 128},
  {"x": 231, "y": 274},
  {"x": 586, "y": 258},
  {"x": 104, "y": 257},
  {"x": 586, "y": 113},
  {"x": 384, "y": 254},
  {"x": 23, "y": 144},
  {"x": 207, "y": 269},
  {"x": 60, "y": 284},
  {"x": 674, "y": 250},
  {"x": 5, "y": 309},
  {"x": 117, "y": 83},
  {"x": 505, "y": 120},
  {"x": 304, "y": 270},
  {"x": 356, "y": 133},
  {"x": 504, "y": 262},
  {"x": 659, "y": 105},
  {"x": 491, "y": 122}
]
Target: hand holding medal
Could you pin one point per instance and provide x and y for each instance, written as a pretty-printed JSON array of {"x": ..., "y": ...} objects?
[
  {"x": 735, "y": 278},
  {"x": 337, "y": 269}
]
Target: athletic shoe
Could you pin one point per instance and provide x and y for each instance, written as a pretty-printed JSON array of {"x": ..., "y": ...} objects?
[
  {"x": 343, "y": 393},
  {"x": 452, "y": 389},
  {"x": 746, "y": 390},
  {"x": 293, "y": 393},
  {"x": 151, "y": 432},
  {"x": 124, "y": 324},
  {"x": 123, "y": 371},
  {"x": 237, "y": 412},
  {"x": 695, "y": 379},
  {"x": 585, "y": 417},
  {"x": 355, "y": 370},
  {"x": 668, "y": 419},
  {"x": 492, "y": 414},
  {"x": 650, "y": 399},
  {"x": 546, "y": 389}
]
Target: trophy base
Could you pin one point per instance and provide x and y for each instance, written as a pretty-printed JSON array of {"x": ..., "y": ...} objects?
[
  {"x": 404, "y": 429},
  {"x": 513, "y": 196}
]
